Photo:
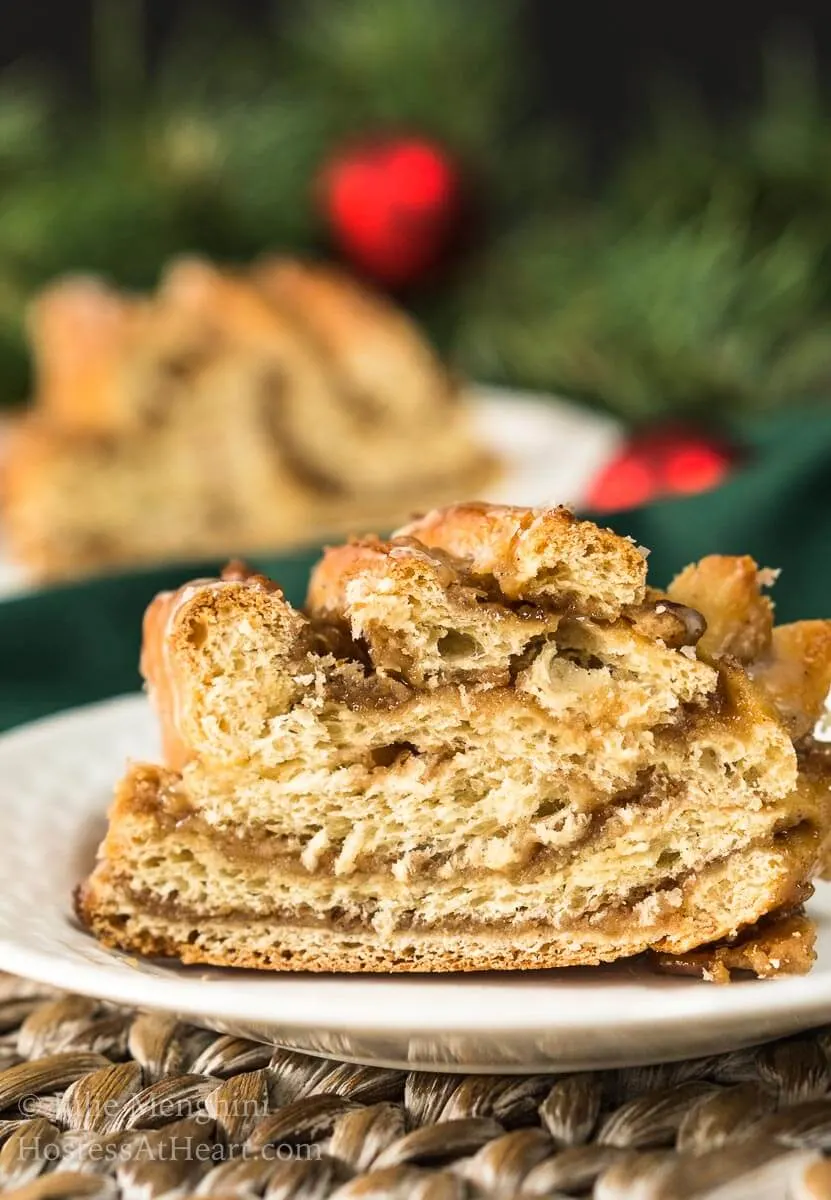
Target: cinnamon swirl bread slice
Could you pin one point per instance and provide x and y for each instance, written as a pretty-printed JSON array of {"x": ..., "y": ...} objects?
[
  {"x": 226, "y": 411},
  {"x": 484, "y": 744}
]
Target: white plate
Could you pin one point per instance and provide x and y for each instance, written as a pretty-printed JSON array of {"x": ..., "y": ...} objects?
[
  {"x": 55, "y": 779},
  {"x": 551, "y": 450}
]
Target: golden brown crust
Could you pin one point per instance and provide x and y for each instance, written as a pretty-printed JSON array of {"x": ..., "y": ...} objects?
[
  {"x": 727, "y": 590},
  {"x": 790, "y": 663},
  {"x": 796, "y": 673},
  {"x": 226, "y": 303},
  {"x": 542, "y": 555},
  {"x": 176, "y": 625},
  {"x": 782, "y": 944},
  {"x": 368, "y": 557},
  {"x": 80, "y": 330},
  {"x": 158, "y": 672}
]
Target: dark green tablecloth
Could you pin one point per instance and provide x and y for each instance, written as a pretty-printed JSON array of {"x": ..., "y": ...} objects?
[
  {"x": 777, "y": 508},
  {"x": 75, "y": 644}
]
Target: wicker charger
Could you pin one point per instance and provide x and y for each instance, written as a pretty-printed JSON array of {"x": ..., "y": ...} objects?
[{"x": 101, "y": 1101}]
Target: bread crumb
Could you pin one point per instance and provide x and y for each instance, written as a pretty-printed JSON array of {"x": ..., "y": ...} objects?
[{"x": 310, "y": 857}]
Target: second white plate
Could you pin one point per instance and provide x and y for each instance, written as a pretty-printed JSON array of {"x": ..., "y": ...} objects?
[{"x": 56, "y": 777}]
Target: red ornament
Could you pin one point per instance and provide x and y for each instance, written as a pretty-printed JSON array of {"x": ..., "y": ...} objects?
[
  {"x": 661, "y": 462},
  {"x": 393, "y": 206}
]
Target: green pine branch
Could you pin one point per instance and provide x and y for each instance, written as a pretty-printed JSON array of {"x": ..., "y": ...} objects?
[{"x": 696, "y": 278}]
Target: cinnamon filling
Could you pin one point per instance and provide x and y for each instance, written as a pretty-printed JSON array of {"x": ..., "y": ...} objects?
[
  {"x": 251, "y": 849},
  {"x": 615, "y": 920}
]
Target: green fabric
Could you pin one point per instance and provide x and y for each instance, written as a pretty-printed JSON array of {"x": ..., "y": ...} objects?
[
  {"x": 776, "y": 507},
  {"x": 79, "y": 643}
]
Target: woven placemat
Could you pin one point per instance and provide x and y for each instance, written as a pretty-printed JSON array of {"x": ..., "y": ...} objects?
[{"x": 101, "y": 1101}]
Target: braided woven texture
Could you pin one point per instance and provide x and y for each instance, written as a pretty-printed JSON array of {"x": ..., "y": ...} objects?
[{"x": 101, "y": 1101}]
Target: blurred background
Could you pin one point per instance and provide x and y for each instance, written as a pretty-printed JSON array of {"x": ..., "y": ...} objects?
[
  {"x": 629, "y": 205},
  {"x": 624, "y": 207},
  {"x": 595, "y": 64}
]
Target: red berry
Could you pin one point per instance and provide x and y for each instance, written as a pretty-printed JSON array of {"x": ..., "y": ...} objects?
[
  {"x": 623, "y": 483},
  {"x": 392, "y": 206},
  {"x": 661, "y": 461},
  {"x": 696, "y": 467}
]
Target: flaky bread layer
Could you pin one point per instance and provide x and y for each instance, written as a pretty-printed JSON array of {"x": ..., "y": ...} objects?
[
  {"x": 712, "y": 904},
  {"x": 499, "y": 816},
  {"x": 171, "y": 858},
  {"x": 510, "y": 773},
  {"x": 243, "y": 692},
  {"x": 427, "y": 618},
  {"x": 328, "y": 770},
  {"x": 501, "y": 798},
  {"x": 591, "y": 684},
  {"x": 419, "y": 615},
  {"x": 543, "y": 555}
]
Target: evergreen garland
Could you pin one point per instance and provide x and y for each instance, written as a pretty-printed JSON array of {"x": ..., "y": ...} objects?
[{"x": 696, "y": 278}]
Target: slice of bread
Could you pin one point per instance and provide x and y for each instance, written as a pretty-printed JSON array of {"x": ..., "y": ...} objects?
[
  {"x": 226, "y": 412},
  {"x": 484, "y": 743}
]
